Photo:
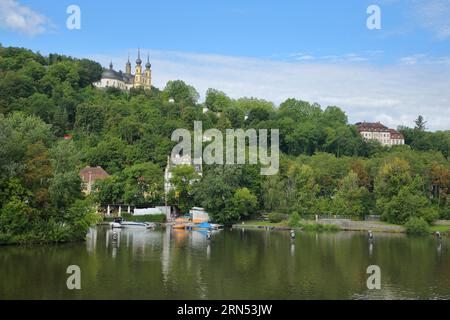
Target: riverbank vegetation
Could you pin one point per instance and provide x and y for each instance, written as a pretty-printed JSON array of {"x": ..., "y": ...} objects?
[{"x": 53, "y": 122}]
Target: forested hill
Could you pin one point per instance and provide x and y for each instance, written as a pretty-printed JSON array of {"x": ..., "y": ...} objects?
[{"x": 43, "y": 98}]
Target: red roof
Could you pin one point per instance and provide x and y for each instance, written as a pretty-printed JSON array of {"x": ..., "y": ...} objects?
[
  {"x": 91, "y": 174},
  {"x": 378, "y": 127},
  {"x": 395, "y": 134},
  {"x": 371, "y": 127}
]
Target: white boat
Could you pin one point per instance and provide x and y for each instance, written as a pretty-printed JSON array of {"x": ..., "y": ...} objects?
[
  {"x": 216, "y": 226},
  {"x": 117, "y": 223},
  {"x": 130, "y": 224}
]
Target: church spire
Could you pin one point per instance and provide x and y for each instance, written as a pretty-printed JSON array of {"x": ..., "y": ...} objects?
[
  {"x": 128, "y": 65},
  {"x": 139, "y": 61},
  {"x": 148, "y": 65}
]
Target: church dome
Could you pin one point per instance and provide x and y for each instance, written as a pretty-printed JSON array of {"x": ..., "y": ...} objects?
[
  {"x": 138, "y": 61},
  {"x": 148, "y": 65}
]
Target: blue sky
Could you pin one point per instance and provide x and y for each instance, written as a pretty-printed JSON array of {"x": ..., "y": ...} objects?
[{"x": 314, "y": 50}]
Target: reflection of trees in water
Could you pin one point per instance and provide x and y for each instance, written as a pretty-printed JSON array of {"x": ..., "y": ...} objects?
[{"x": 252, "y": 264}]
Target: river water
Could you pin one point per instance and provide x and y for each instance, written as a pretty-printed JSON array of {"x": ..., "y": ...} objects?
[{"x": 234, "y": 264}]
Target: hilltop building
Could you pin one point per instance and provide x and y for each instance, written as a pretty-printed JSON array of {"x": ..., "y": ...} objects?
[
  {"x": 90, "y": 175},
  {"x": 377, "y": 131},
  {"x": 125, "y": 81}
]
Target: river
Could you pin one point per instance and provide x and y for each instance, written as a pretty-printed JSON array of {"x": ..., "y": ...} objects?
[{"x": 234, "y": 264}]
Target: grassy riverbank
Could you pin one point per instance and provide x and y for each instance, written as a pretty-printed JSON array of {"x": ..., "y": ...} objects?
[
  {"x": 304, "y": 225},
  {"x": 341, "y": 225},
  {"x": 442, "y": 229}
]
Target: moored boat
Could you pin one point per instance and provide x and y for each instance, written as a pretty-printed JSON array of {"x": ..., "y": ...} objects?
[
  {"x": 138, "y": 225},
  {"x": 117, "y": 223},
  {"x": 202, "y": 226}
]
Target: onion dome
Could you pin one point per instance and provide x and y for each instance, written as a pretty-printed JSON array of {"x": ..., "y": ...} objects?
[{"x": 138, "y": 60}]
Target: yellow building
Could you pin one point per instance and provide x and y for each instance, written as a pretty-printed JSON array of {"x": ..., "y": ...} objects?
[{"x": 125, "y": 81}]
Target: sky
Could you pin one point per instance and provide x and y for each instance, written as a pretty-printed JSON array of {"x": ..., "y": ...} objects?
[{"x": 319, "y": 51}]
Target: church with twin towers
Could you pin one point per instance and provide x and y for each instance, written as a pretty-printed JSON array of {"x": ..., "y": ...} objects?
[{"x": 127, "y": 80}]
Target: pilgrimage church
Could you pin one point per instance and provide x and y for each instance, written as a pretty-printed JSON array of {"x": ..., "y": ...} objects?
[{"x": 125, "y": 81}]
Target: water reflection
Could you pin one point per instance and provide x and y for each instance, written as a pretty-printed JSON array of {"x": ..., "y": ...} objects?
[
  {"x": 250, "y": 264},
  {"x": 439, "y": 248}
]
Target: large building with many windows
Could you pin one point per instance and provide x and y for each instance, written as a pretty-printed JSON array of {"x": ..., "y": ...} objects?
[
  {"x": 377, "y": 131},
  {"x": 178, "y": 160},
  {"x": 126, "y": 80}
]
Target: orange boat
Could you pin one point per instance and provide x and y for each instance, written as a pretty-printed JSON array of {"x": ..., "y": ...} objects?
[{"x": 180, "y": 223}]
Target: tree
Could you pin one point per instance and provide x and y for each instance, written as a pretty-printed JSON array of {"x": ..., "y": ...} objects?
[
  {"x": 420, "y": 124},
  {"x": 350, "y": 199},
  {"x": 407, "y": 203},
  {"x": 244, "y": 202},
  {"x": 14, "y": 86},
  {"x": 143, "y": 184},
  {"x": 392, "y": 176},
  {"x": 273, "y": 194},
  {"x": 183, "y": 179},
  {"x": 400, "y": 196},
  {"x": 89, "y": 118},
  {"x": 109, "y": 191},
  {"x": 217, "y": 101},
  {"x": 65, "y": 185},
  {"x": 181, "y": 93},
  {"x": 16, "y": 217},
  {"x": 305, "y": 188},
  {"x": 440, "y": 184},
  {"x": 215, "y": 191}
]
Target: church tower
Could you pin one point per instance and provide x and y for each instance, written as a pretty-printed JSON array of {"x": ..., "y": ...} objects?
[
  {"x": 138, "y": 80},
  {"x": 128, "y": 66},
  {"x": 148, "y": 74}
]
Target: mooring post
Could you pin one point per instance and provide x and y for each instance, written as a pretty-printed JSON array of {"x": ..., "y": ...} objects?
[
  {"x": 292, "y": 234},
  {"x": 108, "y": 211}
]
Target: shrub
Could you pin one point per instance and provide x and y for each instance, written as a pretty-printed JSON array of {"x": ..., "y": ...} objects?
[
  {"x": 159, "y": 218},
  {"x": 4, "y": 239},
  {"x": 15, "y": 216},
  {"x": 417, "y": 226},
  {"x": 276, "y": 217},
  {"x": 429, "y": 214},
  {"x": 320, "y": 227},
  {"x": 294, "y": 220}
]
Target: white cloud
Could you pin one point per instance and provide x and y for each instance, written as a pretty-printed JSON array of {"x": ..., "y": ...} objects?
[
  {"x": 17, "y": 17},
  {"x": 421, "y": 58},
  {"x": 434, "y": 15},
  {"x": 343, "y": 58},
  {"x": 395, "y": 94}
]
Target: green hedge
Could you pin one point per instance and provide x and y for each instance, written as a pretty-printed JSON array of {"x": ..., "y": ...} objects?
[
  {"x": 276, "y": 217},
  {"x": 159, "y": 218},
  {"x": 417, "y": 226}
]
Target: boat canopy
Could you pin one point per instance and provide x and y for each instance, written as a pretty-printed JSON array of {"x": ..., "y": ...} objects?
[{"x": 204, "y": 225}]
